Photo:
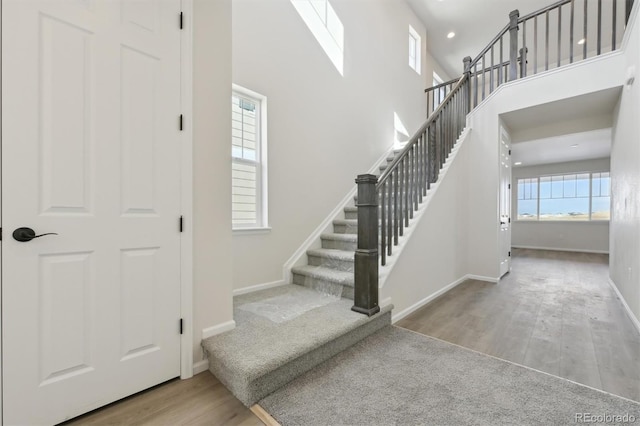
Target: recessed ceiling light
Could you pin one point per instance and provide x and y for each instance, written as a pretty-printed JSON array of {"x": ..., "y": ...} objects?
[
  {"x": 517, "y": 163},
  {"x": 575, "y": 145},
  {"x": 581, "y": 41},
  {"x": 451, "y": 35}
]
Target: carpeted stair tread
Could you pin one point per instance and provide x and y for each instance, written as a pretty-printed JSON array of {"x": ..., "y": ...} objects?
[
  {"x": 327, "y": 274},
  {"x": 340, "y": 237},
  {"x": 343, "y": 255},
  {"x": 347, "y": 222},
  {"x": 254, "y": 359}
]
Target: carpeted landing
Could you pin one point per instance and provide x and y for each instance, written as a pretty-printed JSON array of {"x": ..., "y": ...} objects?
[
  {"x": 397, "y": 377},
  {"x": 282, "y": 333}
]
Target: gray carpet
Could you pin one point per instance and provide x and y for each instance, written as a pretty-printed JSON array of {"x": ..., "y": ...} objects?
[
  {"x": 397, "y": 377},
  {"x": 282, "y": 333}
]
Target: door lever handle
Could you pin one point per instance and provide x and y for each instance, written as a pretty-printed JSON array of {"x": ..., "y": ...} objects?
[{"x": 25, "y": 235}]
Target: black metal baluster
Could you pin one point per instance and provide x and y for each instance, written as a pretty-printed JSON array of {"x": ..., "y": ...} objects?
[
  {"x": 599, "y": 41},
  {"x": 523, "y": 51},
  {"x": 383, "y": 223},
  {"x": 395, "y": 206},
  {"x": 613, "y": 31},
  {"x": 390, "y": 215},
  {"x": 559, "y": 35},
  {"x": 405, "y": 170},
  {"x": 571, "y": 30},
  {"x": 584, "y": 32},
  {"x": 401, "y": 196},
  {"x": 535, "y": 45}
]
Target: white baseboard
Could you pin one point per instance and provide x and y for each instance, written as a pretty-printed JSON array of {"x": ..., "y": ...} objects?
[
  {"x": 314, "y": 239},
  {"x": 411, "y": 309},
  {"x": 258, "y": 287},
  {"x": 481, "y": 278},
  {"x": 218, "y": 329},
  {"x": 200, "y": 366},
  {"x": 561, "y": 249},
  {"x": 632, "y": 317}
]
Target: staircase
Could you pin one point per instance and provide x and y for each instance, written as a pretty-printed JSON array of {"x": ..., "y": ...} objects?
[
  {"x": 314, "y": 313},
  {"x": 330, "y": 269},
  {"x": 283, "y": 332}
]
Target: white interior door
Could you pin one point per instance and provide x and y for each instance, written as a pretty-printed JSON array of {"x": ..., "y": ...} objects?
[
  {"x": 90, "y": 106},
  {"x": 505, "y": 202}
]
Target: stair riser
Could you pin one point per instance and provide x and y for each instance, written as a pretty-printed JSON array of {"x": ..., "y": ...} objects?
[
  {"x": 345, "y": 229},
  {"x": 340, "y": 265},
  {"x": 323, "y": 286},
  {"x": 250, "y": 393},
  {"x": 339, "y": 245},
  {"x": 350, "y": 215}
]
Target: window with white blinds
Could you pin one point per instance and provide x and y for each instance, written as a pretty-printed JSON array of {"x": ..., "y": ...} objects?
[{"x": 248, "y": 200}]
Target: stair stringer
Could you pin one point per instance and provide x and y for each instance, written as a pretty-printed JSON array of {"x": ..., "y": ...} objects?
[
  {"x": 299, "y": 257},
  {"x": 385, "y": 271}
]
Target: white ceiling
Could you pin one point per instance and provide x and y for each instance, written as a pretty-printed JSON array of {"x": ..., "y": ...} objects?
[
  {"x": 475, "y": 23},
  {"x": 558, "y": 149},
  {"x": 545, "y": 133}
]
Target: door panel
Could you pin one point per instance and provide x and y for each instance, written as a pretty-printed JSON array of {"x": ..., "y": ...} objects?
[{"x": 91, "y": 92}]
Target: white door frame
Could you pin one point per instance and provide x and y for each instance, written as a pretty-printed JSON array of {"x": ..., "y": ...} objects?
[
  {"x": 503, "y": 133},
  {"x": 186, "y": 196}
]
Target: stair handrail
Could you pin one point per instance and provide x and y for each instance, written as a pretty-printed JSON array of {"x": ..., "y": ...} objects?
[
  {"x": 390, "y": 201},
  {"x": 517, "y": 61},
  {"x": 414, "y": 139}
]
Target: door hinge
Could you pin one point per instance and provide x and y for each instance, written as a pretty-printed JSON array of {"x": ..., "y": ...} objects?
[
  {"x": 509, "y": 186},
  {"x": 509, "y": 152},
  {"x": 0, "y": 234},
  {"x": 509, "y": 220},
  {"x": 181, "y": 120},
  {"x": 181, "y": 20},
  {"x": 181, "y": 223},
  {"x": 509, "y": 254},
  {"x": 181, "y": 325}
]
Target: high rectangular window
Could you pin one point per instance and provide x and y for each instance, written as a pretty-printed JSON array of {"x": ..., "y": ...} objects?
[
  {"x": 248, "y": 159},
  {"x": 415, "y": 44},
  {"x": 574, "y": 197}
]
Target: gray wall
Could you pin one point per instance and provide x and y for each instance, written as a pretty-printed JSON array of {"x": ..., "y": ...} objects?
[{"x": 575, "y": 236}]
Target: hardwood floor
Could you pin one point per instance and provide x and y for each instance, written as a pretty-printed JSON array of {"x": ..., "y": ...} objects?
[
  {"x": 201, "y": 400},
  {"x": 554, "y": 312}
]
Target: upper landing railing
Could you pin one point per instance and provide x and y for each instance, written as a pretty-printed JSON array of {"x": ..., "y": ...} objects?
[
  {"x": 559, "y": 34},
  {"x": 530, "y": 44}
]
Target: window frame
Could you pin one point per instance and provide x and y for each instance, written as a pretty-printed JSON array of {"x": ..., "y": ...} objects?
[
  {"x": 413, "y": 35},
  {"x": 551, "y": 176},
  {"x": 261, "y": 162}
]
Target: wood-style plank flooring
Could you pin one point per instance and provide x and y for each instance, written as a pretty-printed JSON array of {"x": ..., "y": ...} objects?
[
  {"x": 201, "y": 400},
  {"x": 554, "y": 312}
]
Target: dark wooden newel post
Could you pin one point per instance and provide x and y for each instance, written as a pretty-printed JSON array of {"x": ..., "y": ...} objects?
[
  {"x": 513, "y": 45},
  {"x": 366, "y": 258},
  {"x": 467, "y": 70}
]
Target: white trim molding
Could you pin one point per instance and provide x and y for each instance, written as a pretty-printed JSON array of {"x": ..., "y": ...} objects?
[
  {"x": 561, "y": 249},
  {"x": 218, "y": 329},
  {"x": 313, "y": 241},
  {"x": 411, "y": 309},
  {"x": 186, "y": 190},
  {"x": 200, "y": 366},
  {"x": 630, "y": 314},
  {"x": 419, "y": 304},
  {"x": 258, "y": 287}
]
